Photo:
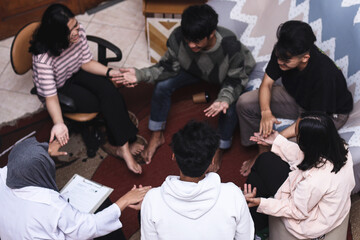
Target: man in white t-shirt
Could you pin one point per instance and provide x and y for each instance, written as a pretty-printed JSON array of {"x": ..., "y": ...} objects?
[{"x": 195, "y": 205}]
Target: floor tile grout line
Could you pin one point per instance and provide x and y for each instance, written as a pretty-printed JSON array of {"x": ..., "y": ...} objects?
[
  {"x": 132, "y": 47},
  {"x": 2, "y": 72}
]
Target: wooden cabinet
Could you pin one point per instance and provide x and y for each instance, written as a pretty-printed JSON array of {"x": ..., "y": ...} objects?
[
  {"x": 14, "y": 14},
  {"x": 151, "y": 7}
]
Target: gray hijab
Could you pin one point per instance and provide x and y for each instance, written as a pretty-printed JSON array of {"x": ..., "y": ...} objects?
[{"x": 29, "y": 164}]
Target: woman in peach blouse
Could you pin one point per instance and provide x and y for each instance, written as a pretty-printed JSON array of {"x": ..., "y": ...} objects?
[{"x": 312, "y": 190}]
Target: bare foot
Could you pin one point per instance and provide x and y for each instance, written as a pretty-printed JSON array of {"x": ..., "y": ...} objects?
[
  {"x": 136, "y": 148},
  {"x": 157, "y": 139},
  {"x": 247, "y": 165},
  {"x": 124, "y": 153},
  {"x": 217, "y": 161}
]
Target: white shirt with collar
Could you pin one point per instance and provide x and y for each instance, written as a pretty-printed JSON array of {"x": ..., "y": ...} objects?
[{"x": 41, "y": 213}]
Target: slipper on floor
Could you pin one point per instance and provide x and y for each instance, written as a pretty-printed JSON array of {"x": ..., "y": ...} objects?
[
  {"x": 109, "y": 149},
  {"x": 133, "y": 119}
]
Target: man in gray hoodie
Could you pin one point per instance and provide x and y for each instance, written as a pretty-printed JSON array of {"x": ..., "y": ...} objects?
[{"x": 195, "y": 205}]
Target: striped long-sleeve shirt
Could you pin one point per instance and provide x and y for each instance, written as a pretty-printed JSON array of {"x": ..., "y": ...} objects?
[
  {"x": 51, "y": 72},
  {"x": 228, "y": 63}
]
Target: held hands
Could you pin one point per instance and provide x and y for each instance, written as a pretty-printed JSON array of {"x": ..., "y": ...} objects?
[
  {"x": 60, "y": 131},
  {"x": 250, "y": 196},
  {"x": 269, "y": 140},
  {"x": 123, "y": 76},
  {"x": 53, "y": 149},
  {"x": 216, "y": 108},
  {"x": 114, "y": 75},
  {"x": 127, "y": 77},
  {"x": 133, "y": 198},
  {"x": 267, "y": 122}
]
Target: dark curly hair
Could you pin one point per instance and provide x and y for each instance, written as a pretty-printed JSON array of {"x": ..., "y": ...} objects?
[
  {"x": 53, "y": 33},
  {"x": 194, "y": 147},
  {"x": 294, "y": 38},
  {"x": 198, "y": 22}
]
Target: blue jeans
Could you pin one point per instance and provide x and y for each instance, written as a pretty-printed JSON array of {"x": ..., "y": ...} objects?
[{"x": 161, "y": 101}]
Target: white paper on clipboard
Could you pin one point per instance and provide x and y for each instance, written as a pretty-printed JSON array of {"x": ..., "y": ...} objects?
[{"x": 85, "y": 195}]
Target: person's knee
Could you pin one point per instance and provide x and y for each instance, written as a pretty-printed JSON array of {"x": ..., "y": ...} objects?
[
  {"x": 264, "y": 159},
  {"x": 246, "y": 102},
  {"x": 163, "y": 88},
  {"x": 107, "y": 88}
]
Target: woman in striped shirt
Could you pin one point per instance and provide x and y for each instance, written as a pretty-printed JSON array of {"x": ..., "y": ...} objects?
[{"x": 62, "y": 63}]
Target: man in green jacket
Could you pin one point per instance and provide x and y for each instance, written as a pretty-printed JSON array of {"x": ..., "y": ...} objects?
[{"x": 199, "y": 50}]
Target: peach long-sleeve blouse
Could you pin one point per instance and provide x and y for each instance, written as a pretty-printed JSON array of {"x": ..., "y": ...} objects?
[{"x": 312, "y": 202}]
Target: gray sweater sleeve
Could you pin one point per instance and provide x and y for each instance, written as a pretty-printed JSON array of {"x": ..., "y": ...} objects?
[
  {"x": 167, "y": 67},
  {"x": 241, "y": 65}
]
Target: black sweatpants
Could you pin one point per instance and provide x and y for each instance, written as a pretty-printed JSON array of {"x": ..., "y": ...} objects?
[
  {"x": 267, "y": 175},
  {"x": 94, "y": 93}
]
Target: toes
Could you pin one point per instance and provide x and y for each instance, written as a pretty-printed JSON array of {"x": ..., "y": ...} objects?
[{"x": 139, "y": 169}]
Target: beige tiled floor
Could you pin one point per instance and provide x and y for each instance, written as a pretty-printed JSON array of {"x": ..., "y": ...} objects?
[{"x": 122, "y": 24}]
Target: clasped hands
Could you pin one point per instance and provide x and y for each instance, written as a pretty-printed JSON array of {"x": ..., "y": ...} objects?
[
  {"x": 127, "y": 78},
  {"x": 124, "y": 76}
]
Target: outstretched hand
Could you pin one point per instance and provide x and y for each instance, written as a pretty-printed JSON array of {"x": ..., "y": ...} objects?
[
  {"x": 127, "y": 77},
  {"x": 133, "y": 198},
  {"x": 60, "y": 131},
  {"x": 266, "y": 123},
  {"x": 265, "y": 141},
  {"x": 216, "y": 108},
  {"x": 250, "y": 196},
  {"x": 53, "y": 149}
]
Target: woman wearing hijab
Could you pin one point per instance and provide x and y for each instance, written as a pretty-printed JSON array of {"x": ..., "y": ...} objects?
[
  {"x": 311, "y": 180},
  {"x": 32, "y": 207}
]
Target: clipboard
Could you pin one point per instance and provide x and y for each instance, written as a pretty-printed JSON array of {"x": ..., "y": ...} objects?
[{"x": 85, "y": 195}]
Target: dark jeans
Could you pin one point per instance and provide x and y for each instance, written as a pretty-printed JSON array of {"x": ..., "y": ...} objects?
[
  {"x": 267, "y": 175},
  {"x": 161, "y": 101},
  {"x": 93, "y": 93}
]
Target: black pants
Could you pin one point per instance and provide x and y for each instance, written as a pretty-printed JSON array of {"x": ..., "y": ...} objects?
[
  {"x": 267, "y": 175},
  {"x": 115, "y": 235},
  {"x": 93, "y": 93}
]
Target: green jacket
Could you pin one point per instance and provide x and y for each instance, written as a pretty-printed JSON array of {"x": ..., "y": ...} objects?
[{"x": 228, "y": 63}]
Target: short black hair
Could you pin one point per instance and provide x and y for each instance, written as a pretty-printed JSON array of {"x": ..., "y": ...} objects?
[
  {"x": 294, "y": 38},
  {"x": 319, "y": 140},
  {"x": 198, "y": 22},
  {"x": 53, "y": 33},
  {"x": 194, "y": 147}
]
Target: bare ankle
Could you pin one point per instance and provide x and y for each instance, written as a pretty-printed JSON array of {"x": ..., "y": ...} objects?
[{"x": 157, "y": 135}]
